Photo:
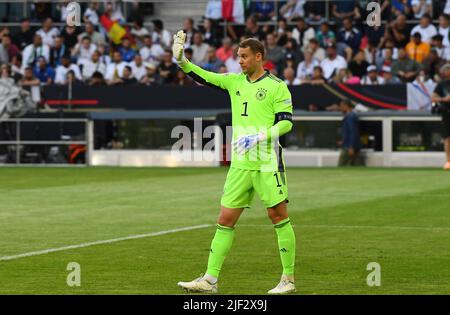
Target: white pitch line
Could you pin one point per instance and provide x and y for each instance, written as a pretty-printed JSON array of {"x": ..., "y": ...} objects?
[{"x": 114, "y": 240}]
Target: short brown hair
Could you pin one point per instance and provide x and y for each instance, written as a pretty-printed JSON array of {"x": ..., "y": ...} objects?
[{"x": 255, "y": 46}]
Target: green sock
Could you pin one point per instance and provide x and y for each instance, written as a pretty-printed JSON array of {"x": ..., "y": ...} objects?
[
  {"x": 286, "y": 244},
  {"x": 220, "y": 246}
]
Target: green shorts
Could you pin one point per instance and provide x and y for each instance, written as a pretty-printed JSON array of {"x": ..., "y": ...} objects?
[{"x": 241, "y": 184}]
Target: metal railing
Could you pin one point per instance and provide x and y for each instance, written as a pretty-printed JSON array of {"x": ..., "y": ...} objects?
[{"x": 18, "y": 143}]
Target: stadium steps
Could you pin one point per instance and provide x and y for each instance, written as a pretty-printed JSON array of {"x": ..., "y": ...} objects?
[{"x": 173, "y": 13}]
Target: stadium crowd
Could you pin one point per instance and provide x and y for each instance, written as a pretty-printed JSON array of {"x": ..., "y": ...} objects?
[{"x": 303, "y": 46}]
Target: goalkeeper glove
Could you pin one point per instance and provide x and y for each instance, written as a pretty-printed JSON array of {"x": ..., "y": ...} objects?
[
  {"x": 178, "y": 48},
  {"x": 244, "y": 143}
]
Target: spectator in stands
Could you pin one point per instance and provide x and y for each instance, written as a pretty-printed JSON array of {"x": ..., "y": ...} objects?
[
  {"x": 306, "y": 68},
  {"x": 398, "y": 31},
  {"x": 199, "y": 49},
  {"x": 96, "y": 37},
  {"x": 48, "y": 32},
  {"x": 44, "y": 72},
  {"x": 388, "y": 77},
  {"x": 16, "y": 65},
  {"x": 345, "y": 76},
  {"x": 33, "y": 51},
  {"x": 442, "y": 51},
  {"x": 151, "y": 52},
  {"x": 425, "y": 28},
  {"x": 333, "y": 63},
  {"x": 432, "y": 64},
  {"x": 188, "y": 53},
  {"x": 372, "y": 77},
  {"x": 190, "y": 30},
  {"x": 91, "y": 14},
  {"x": 212, "y": 63},
  {"x": 264, "y": 10},
  {"x": 139, "y": 31},
  {"x": 70, "y": 35},
  {"x": 421, "y": 7},
  {"x": 114, "y": 70},
  {"x": 371, "y": 52},
  {"x": 351, "y": 143},
  {"x": 274, "y": 53},
  {"x": 213, "y": 10},
  {"x": 28, "y": 78},
  {"x": 92, "y": 66},
  {"x": 127, "y": 77},
  {"x": 315, "y": 11},
  {"x": 83, "y": 51},
  {"x": 181, "y": 79},
  {"x": 226, "y": 50},
  {"x": 325, "y": 35},
  {"x": 302, "y": 33},
  {"x": 72, "y": 79},
  {"x": 97, "y": 79},
  {"x": 416, "y": 49},
  {"x": 5, "y": 72},
  {"x": 126, "y": 51},
  {"x": 167, "y": 69},
  {"x": 346, "y": 9},
  {"x": 291, "y": 51},
  {"x": 9, "y": 47},
  {"x": 281, "y": 32},
  {"x": 386, "y": 58},
  {"x": 62, "y": 8},
  {"x": 138, "y": 68},
  {"x": 210, "y": 33},
  {"x": 4, "y": 56},
  {"x": 104, "y": 56},
  {"x": 401, "y": 7},
  {"x": 25, "y": 36},
  {"x": 64, "y": 68},
  {"x": 405, "y": 68},
  {"x": 349, "y": 36},
  {"x": 375, "y": 33},
  {"x": 293, "y": 9},
  {"x": 232, "y": 63},
  {"x": 358, "y": 66},
  {"x": 252, "y": 29},
  {"x": 289, "y": 77},
  {"x": 57, "y": 51},
  {"x": 317, "y": 51},
  {"x": 161, "y": 36},
  {"x": 152, "y": 77},
  {"x": 444, "y": 29}
]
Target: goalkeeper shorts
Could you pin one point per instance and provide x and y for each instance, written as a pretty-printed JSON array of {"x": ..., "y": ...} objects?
[{"x": 241, "y": 185}]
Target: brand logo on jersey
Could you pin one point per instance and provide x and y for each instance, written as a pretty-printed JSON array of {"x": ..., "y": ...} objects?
[{"x": 261, "y": 94}]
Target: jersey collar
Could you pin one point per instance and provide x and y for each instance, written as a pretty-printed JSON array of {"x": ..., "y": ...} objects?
[{"x": 260, "y": 78}]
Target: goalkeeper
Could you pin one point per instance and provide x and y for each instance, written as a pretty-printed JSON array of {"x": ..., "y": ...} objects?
[{"x": 261, "y": 107}]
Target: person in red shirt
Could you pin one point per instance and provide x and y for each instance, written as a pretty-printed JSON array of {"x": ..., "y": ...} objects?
[{"x": 226, "y": 51}]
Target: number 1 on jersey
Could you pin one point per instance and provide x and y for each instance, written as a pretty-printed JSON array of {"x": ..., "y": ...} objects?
[{"x": 245, "y": 109}]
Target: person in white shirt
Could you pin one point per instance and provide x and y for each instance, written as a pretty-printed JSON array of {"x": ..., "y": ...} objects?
[
  {"x": 139, "y": 31},
  {"x": 421, "y": 7},
  {"x": 333, "y": 63},
  {"x": 104, "y": 56},
  {"x": 48, "y": 32},
  {"x": 200, "y": 49},
  {"x": 214, "y": 10},
  {"x": 305, "y": 68},
  {"x": 96, "y": 37},
  {"x": 444, "y": 29},
  {"x": 91, "y": 15},
  {"x": 372, "y": 77},
  {"x": 289, "y": 77},
  {"x": 138, "y": 68},
  {"x": 425, "y": 28},
  {"x": 83, "y": 51},
  {"x": 66, "y": 66},
  {"x": 442, "y": 51},
  {"x": 292, "y": 9},
  {"x": 302, "y": 33},
  {"x": 232, "y": 63},
  {"x": 114, "y": 70},
  {"x": 160, "y": 35},
  {"x": 32, "y": 52},
  {"x": 151, "y": 52},
  {"x": 93, "y": 65}
]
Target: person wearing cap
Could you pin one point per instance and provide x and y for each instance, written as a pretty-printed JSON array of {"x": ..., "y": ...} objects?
[
  {"x": 417, "y": 49},
  {"x": 441, "y": 95},
  {"x": 333, "y": 63},
  {"x": 372, "y": 77},
  {"x": 388, "y": 77},
  {"x": 351, "y": 143}
]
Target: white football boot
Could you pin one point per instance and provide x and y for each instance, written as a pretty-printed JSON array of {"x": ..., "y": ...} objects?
[
  {"x": 199, "y": 285},
  {"x": 285, "y": 286}
]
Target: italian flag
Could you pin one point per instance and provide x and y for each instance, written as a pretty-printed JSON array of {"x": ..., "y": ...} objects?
[{"x": 233, "y": 10}]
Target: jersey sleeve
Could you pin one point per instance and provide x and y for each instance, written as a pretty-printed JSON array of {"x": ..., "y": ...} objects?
[
  {"x": 282, "y": 101},
  {"x": 217, "y": 80}
]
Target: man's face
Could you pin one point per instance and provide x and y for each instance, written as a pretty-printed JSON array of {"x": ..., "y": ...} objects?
[
  {"x": 443, "y": 22},
  {"x": 248, "y": 60},
  {"x": 6, "y": 41},
  {"x": 86, "y": 43},
  {"x": 401, "y": 53},
  {"x": 126, "y": 43},
  {"x": 95, "y": 56},
  {"x": 89, "y": 28},
  {"x": 25, "y": 25},
  {"x": 288, "y": 73},
  {"x": 37, "y": 40},
  {"x": 211, "y": 53},
  {"x": 65, "y": 62},
  {"x": 331, "y": 52},
  {"x": 372, "y": 75},
  {"x": 424, "y": 22},
  {"x": 197, "y": 39},
  {"x": 187, "y": 25},
  {"x": 138, "y": 60},
  {"x": 167, "y": 57},
  {"x": 301, "y": 25},
  {"x": 126, "y": 73},
  {"x": 58, "y": 42},
  {"x": 148, "y": 41},
  {"x": 47, "y": 24},
  {"x": 117, "y": 57},
  {"x": 42, "y": 64},
  {"x": 28, "y": 73},
  {"x": 270, "y": 40},
  {"x": 347, "y": 24},
  {"x": 417, "y": 40}
]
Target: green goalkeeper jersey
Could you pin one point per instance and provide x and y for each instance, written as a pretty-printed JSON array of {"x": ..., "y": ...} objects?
[{"x": 256, "y": 107}]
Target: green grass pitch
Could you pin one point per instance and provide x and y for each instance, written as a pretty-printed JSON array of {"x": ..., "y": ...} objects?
[{"x": 344, "y": 219}]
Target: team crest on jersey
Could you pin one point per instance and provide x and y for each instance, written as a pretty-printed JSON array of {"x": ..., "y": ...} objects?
[{"x": 261, "y": 94}]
